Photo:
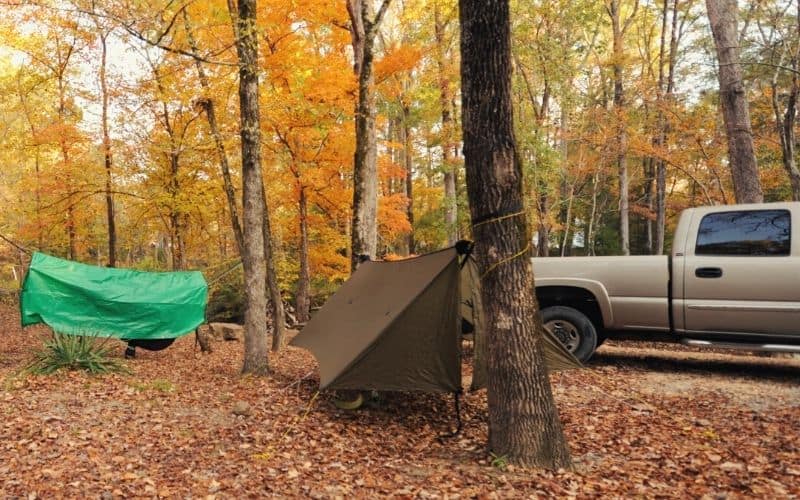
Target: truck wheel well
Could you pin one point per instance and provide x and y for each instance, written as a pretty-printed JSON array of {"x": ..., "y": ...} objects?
[{"x": 569, "y": 296}]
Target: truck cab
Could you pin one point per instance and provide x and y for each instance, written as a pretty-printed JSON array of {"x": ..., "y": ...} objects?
[{"x": 732, "y": 280}]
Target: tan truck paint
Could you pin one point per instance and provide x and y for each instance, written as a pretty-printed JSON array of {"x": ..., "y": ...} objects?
[{"x": 756, "y": 295}]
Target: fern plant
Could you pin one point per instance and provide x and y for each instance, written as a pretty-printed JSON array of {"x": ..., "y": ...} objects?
[{"x": 75, "y": 352}]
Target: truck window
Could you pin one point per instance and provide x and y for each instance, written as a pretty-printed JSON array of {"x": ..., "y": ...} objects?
[{"x": 752, "y": 232}]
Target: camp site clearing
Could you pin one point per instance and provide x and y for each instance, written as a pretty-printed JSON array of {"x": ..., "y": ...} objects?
[{"x": 640, "y": 420}]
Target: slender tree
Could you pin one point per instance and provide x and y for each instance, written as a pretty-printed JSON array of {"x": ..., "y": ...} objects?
[
  {"x": 524, "y": 425},
  {"x": 733, "y": 100},
  {"x": 363, "y": 29},
  {"x": 255, "y": 271},
  {"x": 618, "y": 29}
]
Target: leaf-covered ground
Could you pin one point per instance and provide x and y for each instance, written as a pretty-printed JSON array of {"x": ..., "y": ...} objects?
[{"x": 641, "y": 422}]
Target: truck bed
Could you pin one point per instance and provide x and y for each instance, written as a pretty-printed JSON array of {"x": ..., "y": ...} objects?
[{"x": 631, "y": 291}]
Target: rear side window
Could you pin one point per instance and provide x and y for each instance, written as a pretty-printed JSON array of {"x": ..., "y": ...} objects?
[{"x": 752, "y": 232}]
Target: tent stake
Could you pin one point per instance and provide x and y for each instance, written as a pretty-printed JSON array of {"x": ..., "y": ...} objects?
[{"x": 459, "y": 423}]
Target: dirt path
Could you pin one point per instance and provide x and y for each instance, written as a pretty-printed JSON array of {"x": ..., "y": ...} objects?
[{"x": 640, "y": 422}]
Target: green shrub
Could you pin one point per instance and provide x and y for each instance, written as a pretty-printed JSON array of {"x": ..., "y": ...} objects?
[{"x": 75, "y": 352}]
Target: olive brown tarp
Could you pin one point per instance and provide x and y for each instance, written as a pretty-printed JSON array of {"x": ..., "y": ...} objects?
[
  {"x": 80, "y": 299},
  {"x": 396, "y": 326}
]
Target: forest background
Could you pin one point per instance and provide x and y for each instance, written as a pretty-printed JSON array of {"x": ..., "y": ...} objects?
[{"x": 108, "y": 147}]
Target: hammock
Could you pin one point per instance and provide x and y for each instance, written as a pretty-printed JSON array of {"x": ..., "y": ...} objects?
[{"x": 140, "y": 307}]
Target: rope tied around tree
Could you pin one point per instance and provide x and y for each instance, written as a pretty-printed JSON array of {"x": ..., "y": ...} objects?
[{"x": 513, "y": 257}]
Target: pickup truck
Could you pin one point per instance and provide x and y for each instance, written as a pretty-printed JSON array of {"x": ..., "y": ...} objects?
[{"x": 732, "y": 280}]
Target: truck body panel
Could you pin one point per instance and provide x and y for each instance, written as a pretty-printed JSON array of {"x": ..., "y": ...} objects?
[{"x": 733, "y": 274}]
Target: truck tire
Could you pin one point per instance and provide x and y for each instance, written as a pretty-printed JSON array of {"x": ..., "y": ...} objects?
[{"x": 573, "y": 329}]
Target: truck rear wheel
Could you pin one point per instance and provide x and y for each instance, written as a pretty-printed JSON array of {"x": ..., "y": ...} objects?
[{"x": 573, "y": 329}]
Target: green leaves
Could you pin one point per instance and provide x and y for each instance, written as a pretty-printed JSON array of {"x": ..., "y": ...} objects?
[{"x": 73, "y": 352}]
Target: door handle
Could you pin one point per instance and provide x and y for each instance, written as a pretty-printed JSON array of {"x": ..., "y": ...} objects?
[{"x": 708, "y": 272}]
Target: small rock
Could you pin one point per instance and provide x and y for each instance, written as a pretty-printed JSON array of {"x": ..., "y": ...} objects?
[
  {"x": 241, "y": 408},
  {"x": 227, "y": 331},
  {"x": 107, "y": 495}
]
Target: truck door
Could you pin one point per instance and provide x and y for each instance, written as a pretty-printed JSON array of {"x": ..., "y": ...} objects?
[{"x": 740, "y": 276}]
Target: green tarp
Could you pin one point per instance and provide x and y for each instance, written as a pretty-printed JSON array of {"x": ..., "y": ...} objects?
[{"x": 79, "y": 299}]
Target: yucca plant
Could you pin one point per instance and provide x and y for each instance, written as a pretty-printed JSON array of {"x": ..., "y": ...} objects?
[{"x": 75, "y": 352}]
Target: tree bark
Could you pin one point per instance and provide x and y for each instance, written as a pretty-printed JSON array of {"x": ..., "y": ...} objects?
[
  {"x": 275, "y": 305},
  {"x": 785, "y": 120},
  {"x": 107, "y": 159},
  {"x": 255, "y": 317},
  {"x": 63, "y": 56},
  {"x": 450, "y": 204},
  {"x": 408, "y": 161},
  {"x": 208, "y": 106},
  {"x": 303, "y": 282},
  {"x": 363, "y": 28},
  {"x": 524, "y": 426},
  {"x": 733, "y": 100},
  {"x": 618, "y": 28}
]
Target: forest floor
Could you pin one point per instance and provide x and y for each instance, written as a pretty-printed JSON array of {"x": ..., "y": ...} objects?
[{"x": 644, "y": 421}]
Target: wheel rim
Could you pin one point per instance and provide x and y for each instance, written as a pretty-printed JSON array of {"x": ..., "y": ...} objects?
[{"x": 565, "y": 332}]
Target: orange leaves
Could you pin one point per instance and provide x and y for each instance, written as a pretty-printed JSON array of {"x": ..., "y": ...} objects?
[{"x": 399, "y": 59}]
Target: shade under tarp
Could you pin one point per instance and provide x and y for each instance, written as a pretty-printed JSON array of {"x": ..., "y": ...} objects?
[
  {"x": 393, "y": 326},
  {"x": 396, "y": 326},
  {"x": 556, "y": 356},
  {"x": 80, "y": 299}
]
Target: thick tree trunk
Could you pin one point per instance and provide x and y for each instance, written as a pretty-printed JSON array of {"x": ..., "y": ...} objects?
[
  {"x": 524, "y": 425},
  {"x": 255, "y": 272},
  {"x": 450, "y": 204},
  {"x": 107, "y": 160},
  {"x": 364, "y": 236},
  {"x": 733, "y": 100},
  {"x": 208, "y": 106},
  {"x": 303, "y": 282}
]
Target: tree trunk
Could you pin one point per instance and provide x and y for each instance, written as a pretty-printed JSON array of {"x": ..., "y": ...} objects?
[
  {"x": 208, "y": 106},
  {"x": 524, "y": 426},
  {"x": 275, "y": 301},
  {"x": 785, "y": 121},
  {"x": 733, "y": 100},
  {"x": 107, "y": 160},
  {"x": 618, "y": 29},
  {"x": 303, "y": 281},
  {"x": 364, "y": 236},
  {"x": 62, "y": 113},
  {"x": 543, "y": 236},
  {"x": 408, "y": 161},
  {"x": 255, "y": 317},
  {"x": 450, "y": 204}
]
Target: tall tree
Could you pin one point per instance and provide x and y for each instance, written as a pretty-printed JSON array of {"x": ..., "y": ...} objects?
[
  {"x": 618, "y": 29},
  {"x": 733, "y": 100},
  {"x": 445, "y": 102},
  {"x": 363, "y": 30},
  {"x": 208, "y": 106},
  {"x": 102, "y": 36},
  {"x": 523, "y": 420},
  {"x": 255, "y": 269}
]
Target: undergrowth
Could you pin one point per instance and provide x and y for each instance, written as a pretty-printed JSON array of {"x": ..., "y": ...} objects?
[{"x": 75, "y": 352}]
